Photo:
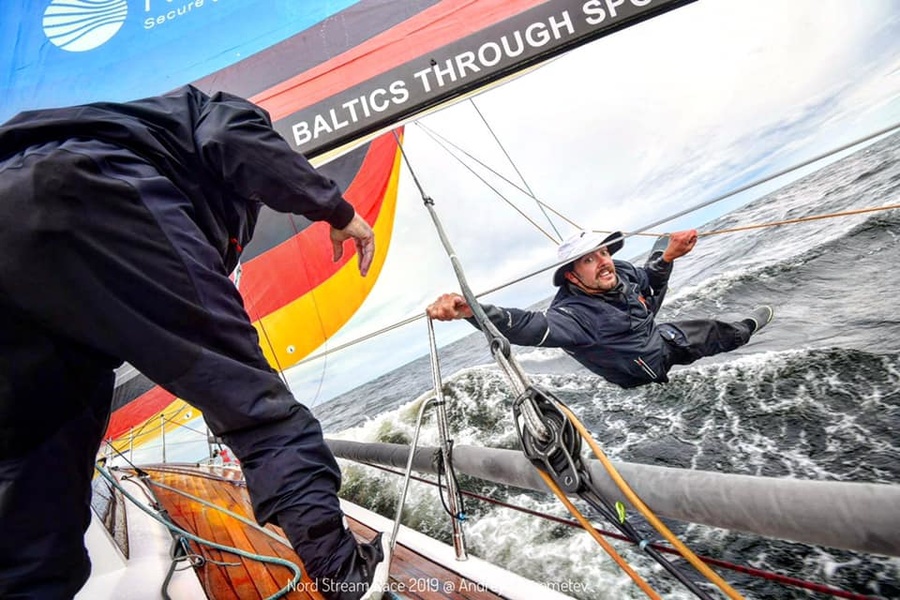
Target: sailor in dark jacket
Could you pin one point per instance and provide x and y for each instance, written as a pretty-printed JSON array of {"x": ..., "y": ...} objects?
[
  {"x": 604, "y": 313},
  {"x": 120, "y": 224}
]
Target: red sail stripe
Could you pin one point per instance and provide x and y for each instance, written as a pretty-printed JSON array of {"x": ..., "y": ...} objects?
[
  {"x": 434, "y": 27},
  {"x": 276, "y": 278},
  {"x": 298, "y": 265},
  {"x": 137, "y": 411}
]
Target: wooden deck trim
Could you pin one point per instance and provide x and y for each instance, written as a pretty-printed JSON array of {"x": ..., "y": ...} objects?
[{"x": 412, "y": 575}]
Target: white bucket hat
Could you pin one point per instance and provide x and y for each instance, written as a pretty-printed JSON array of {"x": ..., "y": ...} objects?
[{"x": 583, "y": 243}]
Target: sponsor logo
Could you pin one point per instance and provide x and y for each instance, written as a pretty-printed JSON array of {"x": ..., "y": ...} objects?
[{"x": 81, "y": 25}]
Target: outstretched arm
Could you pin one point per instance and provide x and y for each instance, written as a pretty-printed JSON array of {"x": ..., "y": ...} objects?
[
  {"x": 659, "y": 266},
  {"x": 553, "y": 329},
  {"x": 239, "y": 146}
]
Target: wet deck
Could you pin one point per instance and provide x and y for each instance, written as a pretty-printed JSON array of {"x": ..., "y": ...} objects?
[{"x": 225, "y": 576}]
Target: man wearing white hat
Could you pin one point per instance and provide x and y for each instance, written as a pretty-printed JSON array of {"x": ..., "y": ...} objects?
[{"x": 604, "y": 313}]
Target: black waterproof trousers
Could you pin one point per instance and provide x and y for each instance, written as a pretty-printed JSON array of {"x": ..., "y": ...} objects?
[
  {"x": 688, "y": 341},
  {"x": 101, "y": 262}
]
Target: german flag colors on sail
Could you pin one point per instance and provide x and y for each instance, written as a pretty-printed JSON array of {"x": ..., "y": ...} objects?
[{"x": 295, "y": 294}]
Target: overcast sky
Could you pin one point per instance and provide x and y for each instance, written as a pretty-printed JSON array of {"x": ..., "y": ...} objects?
[{"x": 616, "y": 135}]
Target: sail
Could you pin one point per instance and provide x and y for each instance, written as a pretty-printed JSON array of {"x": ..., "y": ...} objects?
[
  {"x": 332, "y": 76},
  {"x": 328, "y": 72},
  {"x": 295, "y": 294}
]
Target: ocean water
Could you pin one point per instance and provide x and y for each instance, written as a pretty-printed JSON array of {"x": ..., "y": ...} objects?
[{"x": 816, "y": 395}]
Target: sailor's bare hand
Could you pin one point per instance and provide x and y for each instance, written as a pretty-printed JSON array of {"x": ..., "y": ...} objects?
[
  {"x": 364, "y": 238},
  {"x": 680, "y": 243},
  {"x": 449, "y": 307}
]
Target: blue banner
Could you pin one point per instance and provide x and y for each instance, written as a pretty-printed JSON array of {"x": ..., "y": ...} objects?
[{"x": 61, "y": 52}]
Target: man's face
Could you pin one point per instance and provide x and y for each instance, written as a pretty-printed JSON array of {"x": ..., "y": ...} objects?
[{"x": 594, "y": 272}]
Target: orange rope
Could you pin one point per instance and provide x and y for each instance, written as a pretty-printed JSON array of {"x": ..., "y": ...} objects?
[
  {"x": 803, "y": 219},
  {"x": 773, "y": 223},
  {"x": 648, "y": 514},
  {"x": 623, "y": 485},
  {"x": 589, "y": 527}
]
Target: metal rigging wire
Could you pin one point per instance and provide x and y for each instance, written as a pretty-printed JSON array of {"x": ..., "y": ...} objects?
[{"x": 640, "y": 231}]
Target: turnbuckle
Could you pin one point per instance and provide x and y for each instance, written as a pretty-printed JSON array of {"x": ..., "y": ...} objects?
[{"x": 560, "y": 454}]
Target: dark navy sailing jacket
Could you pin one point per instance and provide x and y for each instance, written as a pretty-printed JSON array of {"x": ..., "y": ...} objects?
[
  {"x": 220, "y": 151},
  {"x": 613, "y": 334}
]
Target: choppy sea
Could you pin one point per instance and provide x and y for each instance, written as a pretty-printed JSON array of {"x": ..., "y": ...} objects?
[{"x": 816, "y": 395}]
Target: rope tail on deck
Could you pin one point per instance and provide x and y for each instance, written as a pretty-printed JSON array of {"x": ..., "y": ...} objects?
[{"x": 297, "y": 573}]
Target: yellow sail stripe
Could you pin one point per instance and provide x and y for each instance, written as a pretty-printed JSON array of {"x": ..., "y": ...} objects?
[{"x": 292, "y": 332}]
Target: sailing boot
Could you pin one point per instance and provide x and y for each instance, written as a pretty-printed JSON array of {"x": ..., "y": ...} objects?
[
  {"x": 759, "y": 318},
  {"x": 364, "y": 576}
]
